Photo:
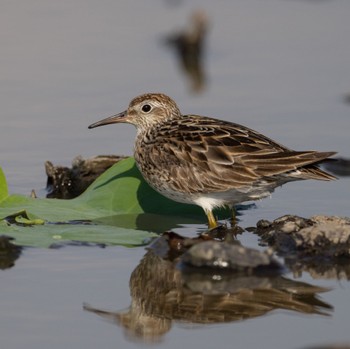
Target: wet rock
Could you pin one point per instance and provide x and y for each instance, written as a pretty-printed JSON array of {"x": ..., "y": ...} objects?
[
  {"x": 171, "y": 245},
  {"x": 222, "y": 255},
  {"x": 223, "y": 233},
  {"x": 67, "y": 183},
  {"x": 327, "y": 236},
  {"x": 319, "y": 245}
]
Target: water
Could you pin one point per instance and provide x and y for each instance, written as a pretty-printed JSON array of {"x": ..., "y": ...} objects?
[{"x": 277, "y": 66}]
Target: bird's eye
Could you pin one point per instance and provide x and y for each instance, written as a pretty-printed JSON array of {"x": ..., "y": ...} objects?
[{"x": 146, "y": 108}]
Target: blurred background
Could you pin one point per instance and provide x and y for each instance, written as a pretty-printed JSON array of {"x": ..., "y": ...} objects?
[{"x": 278, "y": 66}]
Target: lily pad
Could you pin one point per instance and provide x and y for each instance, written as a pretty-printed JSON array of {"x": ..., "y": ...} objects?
[
  {"x": 3, "y": 186},
  {"x": 118, "y": 208}
]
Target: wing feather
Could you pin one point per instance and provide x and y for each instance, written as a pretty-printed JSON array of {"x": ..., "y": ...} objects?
[{"x": 203, "y": 154}]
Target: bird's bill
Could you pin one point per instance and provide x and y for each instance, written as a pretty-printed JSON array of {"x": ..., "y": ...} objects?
[{"x": 110, "y": 120}]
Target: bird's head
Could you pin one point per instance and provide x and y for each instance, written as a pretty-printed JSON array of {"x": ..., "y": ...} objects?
[{"x": 144, "y": 112}]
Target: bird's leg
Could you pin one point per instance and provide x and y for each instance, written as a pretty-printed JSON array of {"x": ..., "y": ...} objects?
[
  {"x": 212, "y": 223},
  {"x": 233, "y": 216}
]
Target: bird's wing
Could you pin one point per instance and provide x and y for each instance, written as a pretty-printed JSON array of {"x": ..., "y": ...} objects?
[{"x": 204, "y": 154}]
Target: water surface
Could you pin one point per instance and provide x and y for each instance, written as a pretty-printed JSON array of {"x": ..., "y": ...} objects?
[{"x": 278, "y": 66}]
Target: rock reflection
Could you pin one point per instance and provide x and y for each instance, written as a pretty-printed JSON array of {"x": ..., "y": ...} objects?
[
  {"x": 189, "y": 47},
  {"x": 161, "y": 293},
  {"x": 9, "y": 252},
  {"x": 320, "y": 269}
]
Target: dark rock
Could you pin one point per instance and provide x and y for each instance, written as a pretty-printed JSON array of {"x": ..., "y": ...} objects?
[
  {"x": 328, "y": 236},
  {"x": 319, "y": 245}
]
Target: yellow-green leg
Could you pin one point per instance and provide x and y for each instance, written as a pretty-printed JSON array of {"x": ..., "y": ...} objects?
[
  {"x": 212, "y": 223},
  {"x": 233, "y": 216}
]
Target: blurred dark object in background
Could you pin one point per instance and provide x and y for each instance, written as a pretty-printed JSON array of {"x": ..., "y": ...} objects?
[
  {"x": 189, "y": 46},
  {"x": 338, "y": 166},
  {"x": 347, "y": 98}
]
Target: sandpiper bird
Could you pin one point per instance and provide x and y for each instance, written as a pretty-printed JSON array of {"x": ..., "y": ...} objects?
[{"x": 208, "y": 162}]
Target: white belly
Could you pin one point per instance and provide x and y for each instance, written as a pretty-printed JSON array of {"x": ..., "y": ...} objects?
[{"x": 209, "y": 201}]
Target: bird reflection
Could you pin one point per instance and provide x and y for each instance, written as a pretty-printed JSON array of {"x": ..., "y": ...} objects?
[
  {"x": 189, "y": 47},
  {"x": 162, "y": 293}
]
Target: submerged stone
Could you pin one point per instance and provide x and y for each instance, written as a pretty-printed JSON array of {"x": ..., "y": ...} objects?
[{"x": 223, "y": 255}]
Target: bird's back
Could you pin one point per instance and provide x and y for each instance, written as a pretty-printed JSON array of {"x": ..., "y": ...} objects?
[{"x": 211, "y": 151}]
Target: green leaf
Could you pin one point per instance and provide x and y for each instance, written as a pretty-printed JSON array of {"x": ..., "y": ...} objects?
[
  {"x": 22, "y": 218},
  {"x": 118, "y": 208},
  {"x": 3, "y": 186},
  {"x": 49, "y": 234}
]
